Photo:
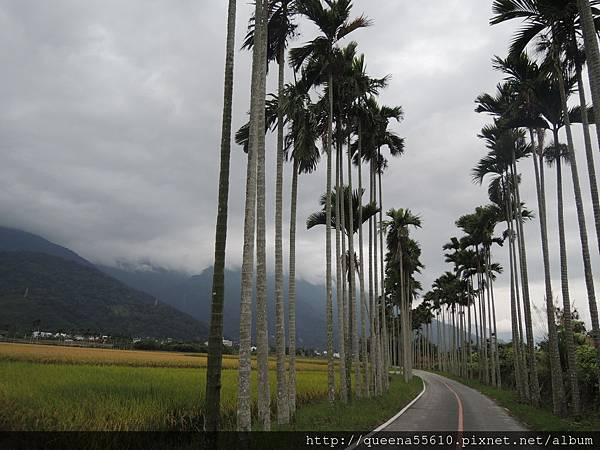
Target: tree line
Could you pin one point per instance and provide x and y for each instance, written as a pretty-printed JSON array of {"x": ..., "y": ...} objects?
[
  {"x": 556, "y": 40},
  {"x": 330, "y": 109}
]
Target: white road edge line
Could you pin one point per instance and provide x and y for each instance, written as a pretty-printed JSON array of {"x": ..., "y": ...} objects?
[{"x": 402, "y": 411}]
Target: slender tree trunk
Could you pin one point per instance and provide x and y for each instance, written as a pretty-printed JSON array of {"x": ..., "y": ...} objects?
[
  {"x": 215, "y": 339},
  {"x": 348, "y": 305},
  {"x": 534, "y": 387},
  {"x": 339, "y": 285},
  {"x": 469, "y": 350},
  {"x": 476, "y": 334},
  {"x": 496, "y": 353},
  {"x": 372, "y": 353},
  {"x": 352, "y": 284},
  {"x": 585, "y": 252},
  {"x": 257, "y": 129},
  {"x": 385, "y": 368},
  {"x": 361, "y": 274},
  {"x": 262, "y": 329},
  {"x": 589, "y": 154},
  {"x": 488, "y": 286},
  {"x": 292, "y": 294},
  {"x": 564, "y": 281},
  {"x": 516, "y": 340},
  {"x": 519, "y": 352},
  {"x": 592, "y": 53},
  {"x": 283, "y": 406},
  {"x": 554, "y": 356},
  {"x": 375, "y": 311},
  {"x": 329, "y": 306}
]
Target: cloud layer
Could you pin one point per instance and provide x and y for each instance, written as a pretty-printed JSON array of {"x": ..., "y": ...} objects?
[{"x": 110, "y": 125}]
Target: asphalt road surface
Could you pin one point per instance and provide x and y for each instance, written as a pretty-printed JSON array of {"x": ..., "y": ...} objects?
[{"x": 448, "y": 405}]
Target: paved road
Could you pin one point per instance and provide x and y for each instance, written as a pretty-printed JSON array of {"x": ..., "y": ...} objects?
[{"x": 448, "y": 405}]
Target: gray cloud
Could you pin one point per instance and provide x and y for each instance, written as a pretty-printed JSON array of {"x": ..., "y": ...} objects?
[{"x": 111, "y": 114}]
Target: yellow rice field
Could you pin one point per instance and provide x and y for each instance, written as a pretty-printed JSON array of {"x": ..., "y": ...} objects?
[{"x": 55, "y": 354}]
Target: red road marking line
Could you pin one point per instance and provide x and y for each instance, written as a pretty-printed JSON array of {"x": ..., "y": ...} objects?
[{"x": 460, "y": 415}]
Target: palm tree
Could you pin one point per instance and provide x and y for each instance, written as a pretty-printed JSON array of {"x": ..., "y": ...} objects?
[
  {"x": 256, "y": 147},
  {"x": 317, "y": 59},
  {"x": 506, "y": 147},
  {"x": 349, "y": 224},
  {"x": 301, "y": 115},
  {"x": 532, "y": 88},
  {"x": 281, "y": 28},
  {"x": 550, "y": 16},
  {"x": 352, "y": 87},
  {"x": 397, "y": 242},
  {"x": 555, "y": 154},
  {"x": 374, "y": 139},
  {"x": 215, "y": 339},
  {"x": 591, "y": 51},
  {"x": 367, "y": 211}
]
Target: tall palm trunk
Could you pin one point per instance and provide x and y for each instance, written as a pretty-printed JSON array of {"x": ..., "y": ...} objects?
[
  {"x": 585, "y": 252},
  {"x": 564, "y": 280},
  {"x": 351, "y": 284},
  {"x": 348, "y": 306},
  {"x": 372, "y": 337},
  {"x": 361, "y": 274},
  {"x": 492, "y": 357},
  {"x": 589, "y": 154},
  {"x": 516, "y": 340},
  {"x": 554, "y": 356},
  {"x": 469, "y": 349},
  {"x": 283, "y": 406},
  {"x": 476, "y": 333},
  {"x": 329, "y": 302},
  {"x": 592, "y": 53},
  {"x": 257, "y": 128},
  {"x": 534, "y": 386},
  {"x": 339, "y": 284},
  {"x": 496, "y": 353},
  {"x": 215, "y": 339},
  {"x": 384, "y": 361},
  {"x": 292, "y": 294},
  {"x": 522, "y": 353},
  {"x": 262, "y": 329},
  {"x": 375, "y": 310}
]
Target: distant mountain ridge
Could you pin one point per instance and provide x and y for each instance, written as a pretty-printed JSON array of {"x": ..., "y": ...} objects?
[
  {"x": 189, "y": 294},
  {"x": 12, "y": 240},
  {"x": 59, "y": 294}
]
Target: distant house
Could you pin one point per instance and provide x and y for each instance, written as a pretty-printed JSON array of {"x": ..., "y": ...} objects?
[
  {"x": 226, "y": 343},
  {"x": 42, "y": 334}
]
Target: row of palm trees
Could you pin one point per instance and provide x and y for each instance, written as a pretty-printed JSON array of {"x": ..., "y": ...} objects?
[
  {"x": 332, "y": 101},
  {"x": 531, "y": 100}
]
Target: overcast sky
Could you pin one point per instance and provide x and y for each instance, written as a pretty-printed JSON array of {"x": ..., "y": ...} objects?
[{"x": 110, "y": 131}]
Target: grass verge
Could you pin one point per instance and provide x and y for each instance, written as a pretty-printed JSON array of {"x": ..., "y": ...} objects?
[
  {"x": 538, "y": 419},
  {"x": 363, "y": 414}
]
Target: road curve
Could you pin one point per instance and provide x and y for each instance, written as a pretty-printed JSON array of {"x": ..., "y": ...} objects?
[{"x": 448, "y": 405}]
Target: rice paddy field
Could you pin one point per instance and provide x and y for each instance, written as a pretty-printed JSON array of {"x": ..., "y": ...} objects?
[{"x": 57, "y": 388}]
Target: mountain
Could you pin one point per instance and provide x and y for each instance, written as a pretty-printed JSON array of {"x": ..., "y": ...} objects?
[
  {"x": 12, "y": 240},
  {"x": 188, "y": 294},
  {"x": 193, "y": 296},
  {"x": 60, "y": 294}
]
